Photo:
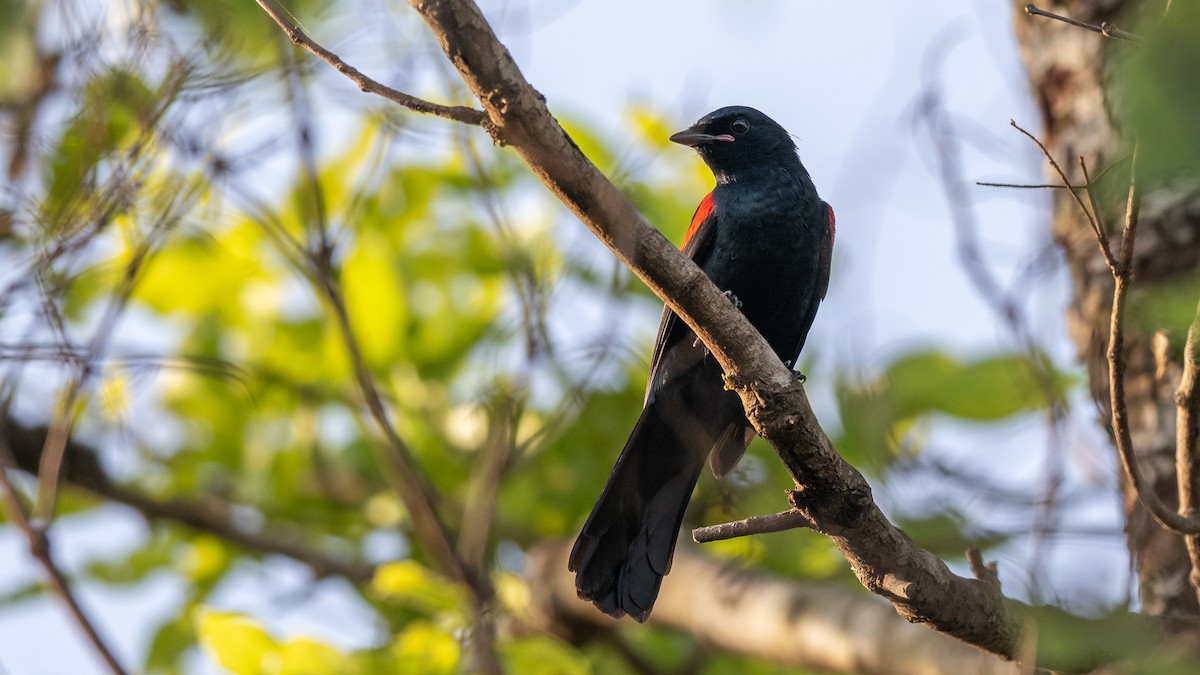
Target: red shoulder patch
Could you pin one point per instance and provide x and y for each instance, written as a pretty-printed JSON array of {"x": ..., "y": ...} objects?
[
  {"x": 832, "y": 223},
  {"x": 702, "y": 213}
]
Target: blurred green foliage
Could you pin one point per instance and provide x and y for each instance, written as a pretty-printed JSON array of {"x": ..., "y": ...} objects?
[{"x": 1159, "y": 82}]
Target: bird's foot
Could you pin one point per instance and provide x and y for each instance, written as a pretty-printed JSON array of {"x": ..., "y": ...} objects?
[
  {"x": 737, "y": 304},
  {"x": 796, "y": 375}
]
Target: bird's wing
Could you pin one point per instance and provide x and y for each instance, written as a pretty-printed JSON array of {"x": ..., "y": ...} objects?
[
  {"x": 826, "y": 255},
  {"x": 697, "y": 244}
]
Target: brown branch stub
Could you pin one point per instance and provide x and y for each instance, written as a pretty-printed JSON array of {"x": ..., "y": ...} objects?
[
  {"x": 1107, "y": 28},
  {"x": 986, "y": 572},
  {"x": 774, "y": 522},
  {"x": 298, "y": 37}
]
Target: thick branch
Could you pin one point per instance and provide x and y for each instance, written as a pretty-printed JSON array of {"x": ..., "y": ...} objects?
[{"x": 832, "y": 494}]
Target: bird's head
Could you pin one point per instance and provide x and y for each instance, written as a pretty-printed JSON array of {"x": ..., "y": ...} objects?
[{"x": 737, "y": 139}]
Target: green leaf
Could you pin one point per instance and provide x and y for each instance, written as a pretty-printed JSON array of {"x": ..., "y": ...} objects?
[
  {"x": 116, "y": 109},
  {"x": 945, "y": 535},
  {"x": 170, "y": 642},
  {"x": 881, "y": 415},
  {"x": 409, "y": 584},
  {"x": 236, "y": 642},
  {"x": 422, "y": 649},
  {"x": 542, "y": 655},
  {"x": 1157, "y": 88},
  {"x": 305, "y": 656},
  {"x": 378, "y": 313}
]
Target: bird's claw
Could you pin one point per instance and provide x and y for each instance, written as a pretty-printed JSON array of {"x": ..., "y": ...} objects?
[
  {"x": 796, "y": 375},
  {"x": 737, "y": 304}
]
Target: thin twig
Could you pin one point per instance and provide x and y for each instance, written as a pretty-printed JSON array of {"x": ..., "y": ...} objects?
[
  {"x": 1101, "y": 231},
  {"x": 1023, "y": 186},
  {"x": 413, "y": 486},
  {"x": 1106, "y": 28},
  {"x": 39, "y": 548},
  {"x": 1123, "y": 276},
  {"x": 972, "y": 254},
  {"x": 300, "y": 38},
  {"x": 1104, "y": 250},
  {"x": 774, "y": 522},
  {"x": 1187, "y": 441}
]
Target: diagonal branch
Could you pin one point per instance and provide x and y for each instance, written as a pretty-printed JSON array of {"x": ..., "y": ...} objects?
[{"x": 456, "y": 113}]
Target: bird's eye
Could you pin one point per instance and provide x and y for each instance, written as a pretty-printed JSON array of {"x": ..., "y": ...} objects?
[{"x": 739, "y": 126}]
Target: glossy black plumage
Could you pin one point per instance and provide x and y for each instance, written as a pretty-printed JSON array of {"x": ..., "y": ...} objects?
[{"x": 765, "y": 236}]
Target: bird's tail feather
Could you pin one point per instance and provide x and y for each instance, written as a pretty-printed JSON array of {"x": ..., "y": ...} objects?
[{"x": 626, "y": 546}]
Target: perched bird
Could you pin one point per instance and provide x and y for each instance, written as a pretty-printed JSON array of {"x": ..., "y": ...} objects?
[{"x": 765, "y": 238}]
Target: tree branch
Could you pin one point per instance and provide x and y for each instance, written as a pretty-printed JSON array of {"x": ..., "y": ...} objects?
[
  {"x": 39, "y": 548},
  {"x": 1123, "y": 276},
  {"x": 831, "y": 493},
  {"x": 83, "y": 471},
  {"x": 774, "y": 522},
  {"x": 451, "y": 112},
  {"x": 1187, "y": 447}
]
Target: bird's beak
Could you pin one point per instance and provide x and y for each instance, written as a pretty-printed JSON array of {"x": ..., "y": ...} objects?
[{"x": 693, "y": 139}]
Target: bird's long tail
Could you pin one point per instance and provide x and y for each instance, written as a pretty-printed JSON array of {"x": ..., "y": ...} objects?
[{"x": 625, "y": 548}]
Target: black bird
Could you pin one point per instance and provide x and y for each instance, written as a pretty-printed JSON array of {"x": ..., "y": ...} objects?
[{"x": 765, "y": 238}]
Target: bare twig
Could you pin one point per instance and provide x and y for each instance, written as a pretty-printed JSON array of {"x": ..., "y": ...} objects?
[
  {"x": 1023, "y": 186},
  {"x": 1107, "y": 29},
  {"x": 774, "y": 522},
  {"x": 1123, "y": 277},
  {"x": 1187, "y": 440},
  {"x": 60, "y": 430},
  {"x": 215, "y": 520},
  {"x": 209, "y": 515},
  {"x": 301, "y": 39},
  {"x": 1100, "y": 230},
  {"x": 411, "y": 484},
  {"x": 39, "y": 548},
  {"x": 1004, "y": 301},
  {"x": 1101, "y": 238}
]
